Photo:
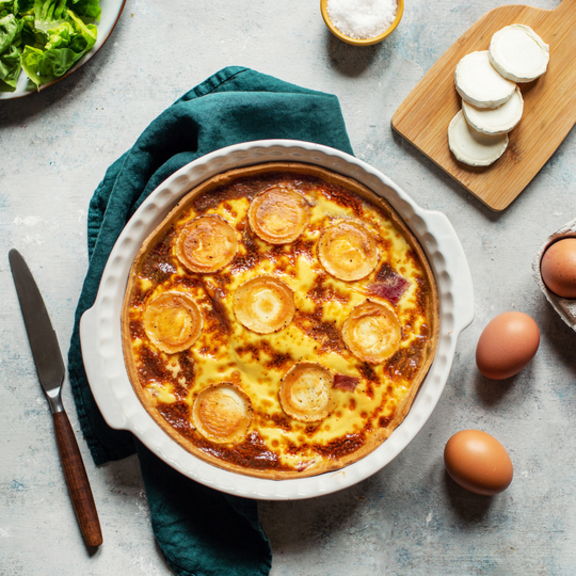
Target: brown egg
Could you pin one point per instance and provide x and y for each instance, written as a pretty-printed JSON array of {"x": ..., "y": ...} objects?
[
  {"x": 507, "y": 345},
  {"x": 478, "y": 462},
  {"x": 558, "y": 268}
]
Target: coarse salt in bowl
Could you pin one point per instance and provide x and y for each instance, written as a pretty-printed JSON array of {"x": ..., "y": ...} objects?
[{"x": 362, "y": 22}]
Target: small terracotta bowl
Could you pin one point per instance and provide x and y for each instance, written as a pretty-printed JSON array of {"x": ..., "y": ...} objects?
[{"x": 356, "y": 41}]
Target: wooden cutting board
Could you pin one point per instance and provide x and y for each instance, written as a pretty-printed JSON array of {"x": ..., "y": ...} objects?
[{"x": 549, "y": 104}]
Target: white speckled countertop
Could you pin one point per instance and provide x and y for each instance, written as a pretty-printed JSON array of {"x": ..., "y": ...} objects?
[{"x": 407, "y": 520}]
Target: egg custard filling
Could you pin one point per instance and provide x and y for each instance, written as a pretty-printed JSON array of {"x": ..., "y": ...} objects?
[{"x": 279, "y": 321}]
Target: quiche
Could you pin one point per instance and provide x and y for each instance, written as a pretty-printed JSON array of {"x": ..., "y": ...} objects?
[{"x": 279, "y": 322}]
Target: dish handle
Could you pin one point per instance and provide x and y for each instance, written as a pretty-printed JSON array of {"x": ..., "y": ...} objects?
[
  {"x": 94, "y": 365},
  {"x": 450, "y": 265}
]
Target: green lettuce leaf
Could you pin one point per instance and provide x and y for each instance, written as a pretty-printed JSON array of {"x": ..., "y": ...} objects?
[
  {"x": 10, "y": 28},
  {"x": 30, "y": 36},
  {"x": 23, "y": 6},
  {"x": 7, "y": 7},
  {"x": 67, "y": 42},
  {"x": 86, "y": 8},
  {"x": 10, "y": 66},
  {"x": 88, "y": 31},
  {"x": 49, "y": 12}
]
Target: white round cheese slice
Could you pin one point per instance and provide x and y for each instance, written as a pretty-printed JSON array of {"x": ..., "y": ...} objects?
[
  {"x": 348, "y": 251},
  {"x": 518, "y": 53},
  {"x": 478, "y": 82},
  {"x": 305, "y": 392},
  {"x": 495, "y": 120},
  {"x": 222, "y": 413},
  {"x": 372, "y": 332},
  {"x": 473, "y": 147}
]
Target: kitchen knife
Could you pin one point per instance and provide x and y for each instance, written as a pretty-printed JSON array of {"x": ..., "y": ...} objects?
[{"x": 50, "y": 368}]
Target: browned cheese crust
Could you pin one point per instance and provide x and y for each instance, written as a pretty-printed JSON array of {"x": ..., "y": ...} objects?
[{"x": 351, "y": 400}]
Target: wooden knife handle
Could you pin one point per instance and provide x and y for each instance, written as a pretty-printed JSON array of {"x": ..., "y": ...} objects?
[{"x": 77, "y": 480}]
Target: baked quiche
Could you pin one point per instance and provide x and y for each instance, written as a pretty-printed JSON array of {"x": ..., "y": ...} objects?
[{"x": 279, "y": 321}]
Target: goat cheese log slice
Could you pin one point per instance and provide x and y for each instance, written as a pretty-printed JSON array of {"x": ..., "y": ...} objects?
[
  {"x": 518, "y": 53},
  {"x": 278, "y": 215},
  {"x": 172, "y": 321},
  {"x": 222, "y": 413},
  {"x": 305, "y": 392},
  {"x": 348, "y": 251},
  {"x": 372, "y": 332},
  {"x": 264, "y": 304},
  {"x": 473, "y": 147},
  {"x": 207, "y": 244},
  {"x": 479, "y": 83},
  {"x": 495, "y": 121}
]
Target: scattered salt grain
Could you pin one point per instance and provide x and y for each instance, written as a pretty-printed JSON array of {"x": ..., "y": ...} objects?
[{"x": 362, "y": 19}]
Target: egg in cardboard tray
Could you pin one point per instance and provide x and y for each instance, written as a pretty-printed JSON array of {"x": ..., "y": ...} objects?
[{"x": 565, "y": 307}]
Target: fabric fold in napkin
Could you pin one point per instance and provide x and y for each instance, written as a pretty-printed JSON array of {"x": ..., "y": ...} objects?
[{"x": 200, "y": 531}]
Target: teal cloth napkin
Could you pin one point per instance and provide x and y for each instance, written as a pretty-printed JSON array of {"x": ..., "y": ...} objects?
[{"x": 201, "y": 532}]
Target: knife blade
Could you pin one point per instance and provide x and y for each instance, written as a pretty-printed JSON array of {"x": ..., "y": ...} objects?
[{"x": 51, "y": 370}]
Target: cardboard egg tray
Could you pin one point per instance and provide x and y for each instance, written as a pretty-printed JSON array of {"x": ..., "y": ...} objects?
[{"x": 566, "y": 308}]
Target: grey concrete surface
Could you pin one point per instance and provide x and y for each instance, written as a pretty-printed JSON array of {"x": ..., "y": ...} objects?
[{"x": 410, "y": 519}]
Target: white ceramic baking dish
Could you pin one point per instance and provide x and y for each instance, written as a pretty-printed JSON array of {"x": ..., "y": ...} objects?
[{"x": 100, "y": 329}]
